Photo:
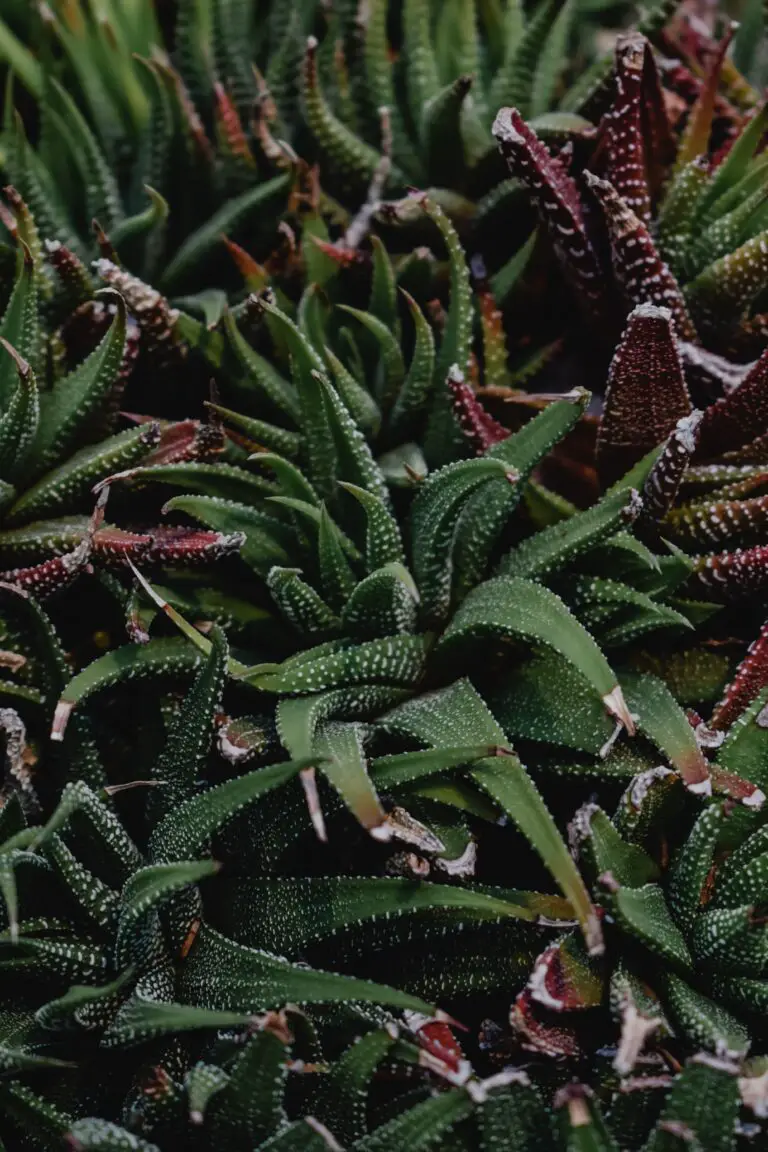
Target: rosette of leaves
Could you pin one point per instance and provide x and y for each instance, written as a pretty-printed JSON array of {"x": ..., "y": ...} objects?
[
  {"x": 130, "y": 113},
  {"x": 59, "y": 440},
  {"x": 681, "y": 889},
  {"x": 656, "y": 217},
  {"x": 430, "y": 601}
]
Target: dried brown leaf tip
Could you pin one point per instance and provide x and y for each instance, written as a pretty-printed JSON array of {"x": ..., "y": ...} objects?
[{"x": 646, "y": 394}]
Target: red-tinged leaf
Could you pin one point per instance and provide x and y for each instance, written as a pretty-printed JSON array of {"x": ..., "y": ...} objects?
[
  {"x": 74, "y": 276},
  {"x": 478, "y": 426},
  {"x": 255, "y": 275},
  {"x": 229, "y": 129},
  {"x": 622, "y": 128},
  {"x": 340, "y": 254},
  {"x": 52, "y": 575},
  {"x": 193, "y": 123},
  {"x": 556, "y": 198},
  {"x": 735, "y": 575},
  {"x": 563, "y": 980},
  {"x": 664, "y": 479},
  {"x": 150, "y": 310},
  {"x": 741, "y": 790},
  {"x": 720, "y": 522},
  {"x": 438, "y": 1041},
  {"x": 495, "y": 367},
  {"x": 738, "y": 418},
  {"x": 695, "y": 141},
  {"x": 750, "y": 678},
  {"x": 114, "y": 544},
  {"x": 659, "y": 139},
  {"x": 191, "y": 546},
  {"x": 646, "y": 394},
  {"x": 638, "y": 267},
  {"x": 59, "y": 572},
  {"x": 184, "y": 441}
]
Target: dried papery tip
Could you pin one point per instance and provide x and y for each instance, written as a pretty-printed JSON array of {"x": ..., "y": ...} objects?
[
  {"x": 635, "y": 1030},
  {"x": 593, "y": 935},
  {"x": 309, "y": 784},
  {"x": 701, "y": 787},
  {"x": 574, "y": 1097},
  {"x": 503, "y": 127},
  {"x": 444, "y": 1018},
  {"x": 115, "y": 789},
  {"x": 754, "y": 1094},
  {"x": 464, "y": 865},
  {"x": 687, "y": 428},
  {"x": 381, "y": 832},
  {"x": 617, "y": 706},
  {"x": 61, "y": 716},
  {"x": 575, "y": 396},
  {"x": 647, "y": 311},
  {"x": 196, "y": 1117},
  {"x": 320, "y": 1130},
  {"x": 606, "y": 749},
  {"x": 12, "y": 660},
  {"x": 22, "y": 367}
]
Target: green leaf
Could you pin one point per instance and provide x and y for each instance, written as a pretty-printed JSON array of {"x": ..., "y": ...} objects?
[
  {"x": 183, "y": 833},
  {"x": 221, "y": 974},
  {"x": 65, "y": 488},
  {"x": 142, "y": 1019},
  {"x": 406, "y": 767},
  {"x": 250, "y": 1106},
  {"x": 395, "y": 661},
  {"x": 344, "y": 1094},
  {"x": 661, "y": 719},
  {"x": 67, "y": 409},
  {"x": 700, "y": 1020},
  {"x": 261, "y": 373},
  {"x": 19, "y": 422},
  {"x": 417, "y": 385},
  {"x": 507, "y": 608},
  {"x": 434, "y": 526},
  {"x": 383, "y": 543},
  {"x": 703, "y": 1102},
  {"x": 421, "y": 1126},
  {"x": 19, "y": 326},
  {"x": 159, "y": 657},
  {"x": 393, "y": 365},
  {"x": 267, "y": 540},
  {"x": 344, "y": 764},
  {"x": 183, "y": 758},
  {"x": 458, "y": 713},
  {"x": 287, "y": 914},
  {"x": 553, "y": 548},
  {"x": 643, "y": 913},
  {"x": 254, "y": 204},
  {"x": 553, "y": 59},
  {"x": 383, "y": 604},
  {"x": 599, "y": 841}
]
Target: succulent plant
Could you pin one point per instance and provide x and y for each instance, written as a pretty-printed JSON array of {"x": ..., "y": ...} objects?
[{"x": 264, "y": 821}]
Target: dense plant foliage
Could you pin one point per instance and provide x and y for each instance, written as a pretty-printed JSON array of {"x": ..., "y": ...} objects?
[{"x": 384, "y": 717}]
